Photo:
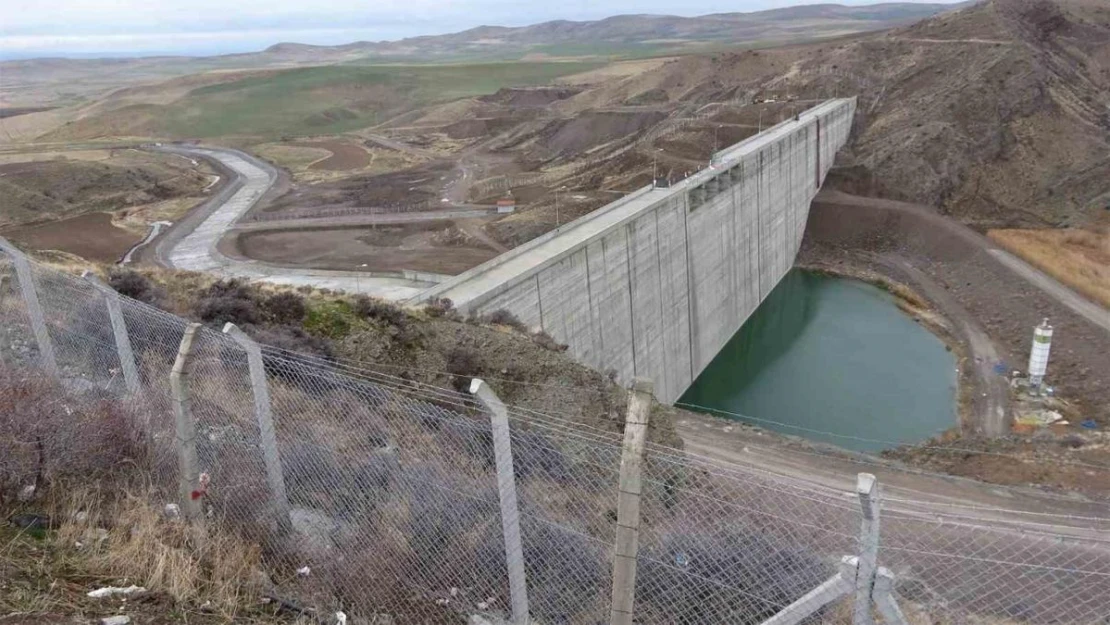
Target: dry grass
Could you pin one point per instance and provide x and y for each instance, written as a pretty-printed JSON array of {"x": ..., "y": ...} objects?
[
  {"x": 45, "y": 576},
  {"x": 1078, "y": 258}
]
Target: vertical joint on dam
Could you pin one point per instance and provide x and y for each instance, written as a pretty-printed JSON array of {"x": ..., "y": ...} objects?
[{"x": 654, "y": 284}]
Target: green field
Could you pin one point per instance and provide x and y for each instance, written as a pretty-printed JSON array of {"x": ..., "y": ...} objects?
[{"x": 340, "y": 98}]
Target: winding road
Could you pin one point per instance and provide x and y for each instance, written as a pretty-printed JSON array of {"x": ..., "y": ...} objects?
[{"x": 192, "y": 244}]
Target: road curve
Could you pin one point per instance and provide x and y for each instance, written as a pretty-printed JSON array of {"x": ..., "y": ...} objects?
[
  {"x": 1092, "y": 312},
  {"x": 194, "y": 246}
]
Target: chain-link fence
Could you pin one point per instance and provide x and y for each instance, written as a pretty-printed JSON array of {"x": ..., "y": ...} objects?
[{"x": 402, "y": 499}]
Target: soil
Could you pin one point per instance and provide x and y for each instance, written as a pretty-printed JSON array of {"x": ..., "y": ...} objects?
[
  {"x": 344, "y": 156},
  {"x": 36, "y": 190},
  {"x": 434, "y": 246},
  {"x": 92, "y": 236},
  {"x": 540, "y": 96}
]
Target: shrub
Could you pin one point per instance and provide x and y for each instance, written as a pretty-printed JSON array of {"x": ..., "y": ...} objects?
[
  {"x": 135, "y": 285},
  {"x": 442, "y": 527},
  {"x": 545, "y": 340},
  {"x": 292, "y": 339},
  {"x": 563, "y": 570},
  {"x": 462, "y": 364},
  {"x": 378, "y": 310},
  {"x": 695, "y": 578},
  {"x": 329, "y": 319},
  {"x": 47, "y": 436},
  {"x": 227, "y": 301},
  {"x": 505, "y": 318},
  {"x": 440, "y": 307},
  {"x": 284, "y": 308}
]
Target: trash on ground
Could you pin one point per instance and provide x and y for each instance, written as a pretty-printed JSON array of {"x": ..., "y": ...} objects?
[{"x": 110, "y": 591}]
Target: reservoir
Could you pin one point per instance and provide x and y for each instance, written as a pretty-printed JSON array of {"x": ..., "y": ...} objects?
[{"x": 833, "y": 360}]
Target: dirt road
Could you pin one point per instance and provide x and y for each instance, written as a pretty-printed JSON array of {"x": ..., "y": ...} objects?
[
  {"x": 1080, "y": 305},
  {"x": 994, "y": 390},
  {"x": 920, "y": 492}
]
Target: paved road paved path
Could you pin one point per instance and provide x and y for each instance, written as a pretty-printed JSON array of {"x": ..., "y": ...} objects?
[{"x": 197, "y": 250}]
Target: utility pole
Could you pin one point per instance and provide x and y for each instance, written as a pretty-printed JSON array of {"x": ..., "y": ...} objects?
[{"x": 760, "y": 120}]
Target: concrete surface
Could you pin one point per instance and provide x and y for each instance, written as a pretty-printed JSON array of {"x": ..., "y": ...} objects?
[
  {"x": 654, "y": 284},
  {"x": 197, "y": 250}
]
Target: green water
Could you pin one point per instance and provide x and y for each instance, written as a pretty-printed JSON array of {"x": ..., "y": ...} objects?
[{"x": 835, "y": 361}]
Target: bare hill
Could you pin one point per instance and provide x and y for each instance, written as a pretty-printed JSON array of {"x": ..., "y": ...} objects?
[
  {"x": 998, "y": 112},
  {"x": 59, "y": 81}
]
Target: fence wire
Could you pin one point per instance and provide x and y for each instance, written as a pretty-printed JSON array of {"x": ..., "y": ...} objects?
[{"x": 387, "y": 491}]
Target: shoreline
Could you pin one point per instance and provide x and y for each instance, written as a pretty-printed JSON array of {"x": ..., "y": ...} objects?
[{"x": 926, "y": 314}]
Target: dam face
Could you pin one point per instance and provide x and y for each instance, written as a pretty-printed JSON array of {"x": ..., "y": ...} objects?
[{"x": 655, "y": 284}]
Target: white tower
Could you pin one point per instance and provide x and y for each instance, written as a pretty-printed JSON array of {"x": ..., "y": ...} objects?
[{"x": 1038, "y": 356}]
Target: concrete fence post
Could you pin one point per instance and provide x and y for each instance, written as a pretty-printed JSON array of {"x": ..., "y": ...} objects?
[
  {"x": 188, "y": 478},
  {"x": 884, "y": 598},
  {"x": 628, "y": 502},
  {"x": 31, "y": 301},
  {"x": 506, "y": 490},
  {"x": 867, "y": 489},
  {"x": 119, "y": 331},
  {"x": 260, "y": 388}
]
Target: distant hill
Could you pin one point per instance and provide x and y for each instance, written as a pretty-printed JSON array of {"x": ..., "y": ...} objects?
[
  {"x": 58, "y": 81},
  {"x": 635, "y": 33}
]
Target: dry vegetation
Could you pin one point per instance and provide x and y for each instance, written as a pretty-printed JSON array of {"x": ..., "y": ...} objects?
[
  {"x": 1078, "y": 258},
  {"x": 76, "y": 490},
  {"x": 37, "y": 187}
]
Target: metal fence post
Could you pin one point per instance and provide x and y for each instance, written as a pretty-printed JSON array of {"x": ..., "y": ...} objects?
[
  {"x": 34, "y": 310},
  {"x": 188, "y": 474},
  {"x": 628, "y": 502},
  {"x": 867, "y": 488},
  {"x": 260, "y": 388},
  {"x": 506, "y": 489},
  {"x": 119, "y": 330}
]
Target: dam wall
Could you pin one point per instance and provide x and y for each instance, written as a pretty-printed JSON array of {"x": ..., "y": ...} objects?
[{"x": 654, "y": 284}]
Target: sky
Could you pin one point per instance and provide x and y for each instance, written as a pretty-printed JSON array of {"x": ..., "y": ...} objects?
[{"x": 91, "y": 28}]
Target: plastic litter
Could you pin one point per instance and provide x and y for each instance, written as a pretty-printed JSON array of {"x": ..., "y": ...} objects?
[{"x": 111, "y": 591}]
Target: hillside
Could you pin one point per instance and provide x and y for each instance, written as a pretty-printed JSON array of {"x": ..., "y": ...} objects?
[
  {"x": 64, "y": 82},
  {"x": 997, "y": 113}
]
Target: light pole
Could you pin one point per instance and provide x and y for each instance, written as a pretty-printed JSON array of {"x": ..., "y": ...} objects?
[
  {"x": 760, "y": 120},
  {"x": 654, "y": 173}
]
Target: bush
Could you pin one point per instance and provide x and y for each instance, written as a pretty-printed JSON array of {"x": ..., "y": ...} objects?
[
  {"x": 284, "y": 309},
  {"x": 330, "y": 319},
  {"x": 440, "y": 307},
  {"x": 704, "y": 578},
  {"x": 135, "y": 285},
  {"x": 545, "y": 340},
  {"x": 228, "y": 301},
  {"x": 378, "y": 310},
  {"x": 503, "y": 317},
  {"x": 441, "y": 526},
  {"x": 48, "y": 437},
  {"x": 292, "y": 339},
  {"x": 564, "y": 569},
  {"x": 462, "y": 364}
]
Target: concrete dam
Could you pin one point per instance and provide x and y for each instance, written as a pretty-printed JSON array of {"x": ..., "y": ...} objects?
[{"x": 654, "y": 284}]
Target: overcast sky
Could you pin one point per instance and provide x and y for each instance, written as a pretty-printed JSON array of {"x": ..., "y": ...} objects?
[{"x": 128, "y": 27}]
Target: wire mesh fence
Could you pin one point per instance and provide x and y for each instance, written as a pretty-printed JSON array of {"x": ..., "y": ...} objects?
[{"x": 389, "y": 492}]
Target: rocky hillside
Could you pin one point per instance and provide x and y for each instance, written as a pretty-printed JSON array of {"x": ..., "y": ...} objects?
[{"x": 998, "y": 113}]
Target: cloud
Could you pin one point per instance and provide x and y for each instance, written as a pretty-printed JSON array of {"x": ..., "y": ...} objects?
[{"x": 115, "y": 27}]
